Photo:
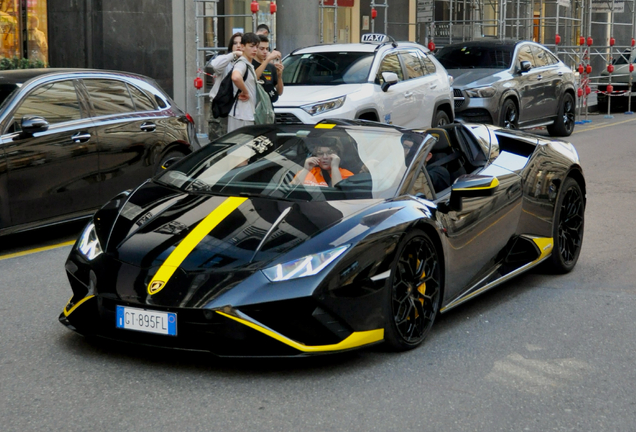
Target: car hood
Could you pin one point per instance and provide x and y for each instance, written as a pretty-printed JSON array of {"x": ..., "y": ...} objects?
[
  {"x": 241, "y": 236},
  {"x": 295, "y": 96},
  {"x": 466, "y": 78}
]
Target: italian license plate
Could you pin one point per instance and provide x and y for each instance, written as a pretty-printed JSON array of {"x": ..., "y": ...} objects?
[{"x": 148, "y": 321}]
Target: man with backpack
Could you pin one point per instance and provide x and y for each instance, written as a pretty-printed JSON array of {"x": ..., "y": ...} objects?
[
  {"x": 222, "y": 65},
  {"x": 244, "y": 79}
]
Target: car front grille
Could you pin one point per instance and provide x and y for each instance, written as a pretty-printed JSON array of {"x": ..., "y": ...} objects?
[
  {"x": 287, "y": 118},
  {"x": 459, "y": 98}
]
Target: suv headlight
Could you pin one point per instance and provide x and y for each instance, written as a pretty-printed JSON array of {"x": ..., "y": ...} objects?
[
  {"x": 481, "y": 92},
  {"x": 89, "y": 245},
  {"x": 305, "y": 266},
  {"x": 324, "y": 106}
]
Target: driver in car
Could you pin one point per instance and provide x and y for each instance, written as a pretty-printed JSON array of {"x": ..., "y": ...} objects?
[{"x": 322, "y": 168}]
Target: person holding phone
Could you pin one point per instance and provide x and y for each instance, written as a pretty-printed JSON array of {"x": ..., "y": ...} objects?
[{"x": 269, "y": 69}]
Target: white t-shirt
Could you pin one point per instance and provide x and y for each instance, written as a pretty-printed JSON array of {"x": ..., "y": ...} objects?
[{"x": 244, "y": 110}]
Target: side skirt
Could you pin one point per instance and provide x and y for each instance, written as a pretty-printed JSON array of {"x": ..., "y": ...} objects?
[{"x": 544, "y": 250}]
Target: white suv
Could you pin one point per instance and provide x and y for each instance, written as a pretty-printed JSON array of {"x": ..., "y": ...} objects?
[{"x": 379, "y": 80}]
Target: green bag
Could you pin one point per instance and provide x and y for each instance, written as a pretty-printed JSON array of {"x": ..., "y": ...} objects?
[{"x": 264, "y": 111}]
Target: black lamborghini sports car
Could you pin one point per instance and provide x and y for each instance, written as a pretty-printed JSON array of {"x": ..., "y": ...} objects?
[{"x": 287, "y": 240}]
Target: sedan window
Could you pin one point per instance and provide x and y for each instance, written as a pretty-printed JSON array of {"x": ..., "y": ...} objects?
[
  {"x": 142, "y": 102},
  {"x": 109, "y": 97},
  {"x": 525, "y": 54},
  {"x": 390, "y": 63},
  {"x": 412, "y": 64},
  {"x": 56, "y": 102},
  {"x": 428, "y": 64},
  {"x": 541, "y": 57}
]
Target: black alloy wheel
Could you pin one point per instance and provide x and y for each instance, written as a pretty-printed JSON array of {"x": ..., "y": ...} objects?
[
  {"x": 564, "y": 124},
  {"x": 569, "y": 222},
  {"x": 415, "y": 292},
  {"x": 509, "y": 115}
]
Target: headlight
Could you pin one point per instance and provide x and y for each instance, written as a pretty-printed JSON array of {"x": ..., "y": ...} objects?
[
  {"x": 305, "y": 266},
  {"x": 481, "y": 92},
  {"x": 324, "y": 106},
  {"x": 89, "y": 243}
]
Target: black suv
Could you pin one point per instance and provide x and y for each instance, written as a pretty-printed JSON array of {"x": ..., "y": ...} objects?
[{"x": 71, "y": 139}]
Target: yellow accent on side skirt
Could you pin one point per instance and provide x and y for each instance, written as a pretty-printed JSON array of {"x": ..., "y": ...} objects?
[
  {"x": 78, "y": 304},
  {"x": 191, "y": 241},
  {"x": 356, "y": 339},
  {"x": 545, "y": 245}
]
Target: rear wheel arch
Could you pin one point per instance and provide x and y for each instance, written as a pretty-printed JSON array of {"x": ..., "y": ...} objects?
[{"x": 577, "y": 175}]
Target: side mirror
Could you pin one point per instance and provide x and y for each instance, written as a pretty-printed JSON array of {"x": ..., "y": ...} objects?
[
  {"x": 469, "y": 186},
  {"x": 390, "y": 78},
  {"x": 33, "y": 124},
  {"x": 525, "y": 66}
]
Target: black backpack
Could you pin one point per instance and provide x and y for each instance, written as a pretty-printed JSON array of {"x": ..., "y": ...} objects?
[{"x": 225, "y": 98}]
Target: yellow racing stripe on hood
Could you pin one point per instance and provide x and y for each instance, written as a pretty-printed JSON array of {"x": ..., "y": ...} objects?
[{"x": 187, "y": 245}]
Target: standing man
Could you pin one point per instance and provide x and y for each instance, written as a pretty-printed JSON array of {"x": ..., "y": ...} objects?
[
  {"x": 242, "y": 113},
  {"x": 269, "y": 69}
]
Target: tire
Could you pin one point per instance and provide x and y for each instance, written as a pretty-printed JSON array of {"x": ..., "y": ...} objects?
[
  {"x": 567, "y": 227},
  {"x": 171, "y": 154},
  {"x": 441, "y": 119},
  {"x": 509, "y": 115},
  {"x": 414, "y": 292},
  {"x": 564, "y": 123}
]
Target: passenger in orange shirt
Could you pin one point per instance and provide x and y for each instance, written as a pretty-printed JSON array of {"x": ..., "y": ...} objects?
[{"x": 322, "y": 168}]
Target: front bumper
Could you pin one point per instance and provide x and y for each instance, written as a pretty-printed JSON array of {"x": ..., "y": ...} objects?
[
  {"x": 297, "y": 326},
  {"x": 475, "y": 110},
  {"x": 225, "y": 332}
]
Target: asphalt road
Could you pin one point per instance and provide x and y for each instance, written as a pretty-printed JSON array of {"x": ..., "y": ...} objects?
[{"x": 540, "y": 353}]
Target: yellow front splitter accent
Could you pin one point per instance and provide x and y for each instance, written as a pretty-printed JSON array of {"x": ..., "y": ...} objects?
[
  {"x": 355, "y": 340},
  {"x": 68, "y": 311}
]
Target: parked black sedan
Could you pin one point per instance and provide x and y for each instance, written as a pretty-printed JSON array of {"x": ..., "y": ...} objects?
[
  {"x": 299, "y": 240},
  {"x": 73, "y": 138}
]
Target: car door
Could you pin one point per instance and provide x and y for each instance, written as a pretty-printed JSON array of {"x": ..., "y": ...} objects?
[
  {"x": 129, "y": 134},
  {"x": 423, "y": 85},
  {"x": 550, "y": 78},
  {"x": 55, "y": 172},
  {"x": 394, "y": 104},
  {"x": 478, "y": 232},
  {"x": 529, "y": 85}
]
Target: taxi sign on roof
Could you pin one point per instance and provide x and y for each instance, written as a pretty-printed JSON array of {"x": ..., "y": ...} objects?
[{"x": 376, "y": 38}]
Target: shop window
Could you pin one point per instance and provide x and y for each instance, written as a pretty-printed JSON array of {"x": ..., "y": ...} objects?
[{"x": 24, "y": 29}]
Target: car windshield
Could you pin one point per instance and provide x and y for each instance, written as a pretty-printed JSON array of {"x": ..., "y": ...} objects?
[
  {"x": 327, "y": 68},
  {"x": 288, "y": 162},
  {"x": 475, "y": 57}
]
